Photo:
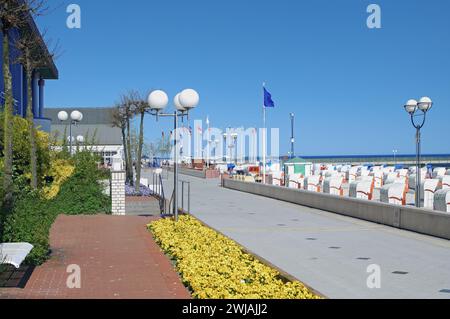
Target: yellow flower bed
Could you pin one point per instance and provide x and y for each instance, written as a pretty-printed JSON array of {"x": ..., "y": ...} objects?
[
  {"x": 60, "y": 170},
  {"x": 215, "y": 267}
]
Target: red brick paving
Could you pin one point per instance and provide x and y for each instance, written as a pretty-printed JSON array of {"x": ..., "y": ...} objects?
[{"x": 118, "y": 259}]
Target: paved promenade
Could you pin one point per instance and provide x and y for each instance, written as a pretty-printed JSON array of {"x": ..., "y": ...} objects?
[
  {"x": 118, "y": 259},
  {"x": 329, "y": 252}
]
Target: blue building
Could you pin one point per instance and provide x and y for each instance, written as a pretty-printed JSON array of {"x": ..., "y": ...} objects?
[{"x": 48, "y": 72}]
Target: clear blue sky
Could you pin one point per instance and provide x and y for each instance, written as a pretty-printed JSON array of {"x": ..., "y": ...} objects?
[{"x": 345, "y": 82}]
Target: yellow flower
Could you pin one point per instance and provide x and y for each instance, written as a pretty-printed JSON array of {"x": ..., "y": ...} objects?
[
  {"x": 60, "y": 170},
  {"x": 216, "y": 267}
]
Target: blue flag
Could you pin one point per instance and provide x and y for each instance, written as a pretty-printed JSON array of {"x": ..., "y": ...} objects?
[{"x": 268, "y": 102}]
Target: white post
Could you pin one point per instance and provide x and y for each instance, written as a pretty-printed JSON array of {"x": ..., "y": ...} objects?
[{"x": 264, "y": 139}]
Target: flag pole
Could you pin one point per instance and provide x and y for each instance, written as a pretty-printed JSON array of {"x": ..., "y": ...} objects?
[{"x": 264, "y": 137}]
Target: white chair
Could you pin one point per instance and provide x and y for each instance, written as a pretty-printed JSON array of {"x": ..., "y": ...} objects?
[
  {"x": 14, "y": 253},
  {"x": 394, "y": 193},
  {"x": 333, "y": 185},
  {"x": 364, "y": 189},
  {"x": 277, "y": 178},
  {"x": 378, "y": 178},
  {"x": 412, "y": 179},
  {"x": 390, "y": 177},
  {"x": 430, "y": 187},
  {"x": 352, "y": 174},
  {"x": 312, "y": 183},
  {"x": 446, "y": 182},
  {"x": 364, "y": 171},
  {"x": 296, "y": 181},
  {"x": 402, "y": 172},
  {"x": 442, "y": 200},
  {"x": 439, "y": 171}
]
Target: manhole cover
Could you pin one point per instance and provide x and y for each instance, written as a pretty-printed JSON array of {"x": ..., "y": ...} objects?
[
  {"x": 311, "y": 239},
  {"x": 363, "y": 258},
  {"x": 334, "y": 247},
  {"x": 445, "y": 291}
]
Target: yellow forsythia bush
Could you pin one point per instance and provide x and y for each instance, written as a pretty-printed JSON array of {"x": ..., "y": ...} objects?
[
  {"x": 215, "y": 267},
  {"x": 60, "y": 170}
]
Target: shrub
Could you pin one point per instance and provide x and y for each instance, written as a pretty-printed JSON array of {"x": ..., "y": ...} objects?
[
  {"x": 30, "y": 222},
  {"x": 59, "y": 172},
  {"x": 33, "y": 214},
  {"x": 21, "y": 150}
]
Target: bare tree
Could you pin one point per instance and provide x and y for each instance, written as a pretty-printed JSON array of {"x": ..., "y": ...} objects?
[{"x": 141, "y": 107}]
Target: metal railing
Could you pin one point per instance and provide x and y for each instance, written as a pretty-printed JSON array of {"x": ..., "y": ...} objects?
[
  {"x": 158, "y": 192},
  {"x": 184, "y": 198}
]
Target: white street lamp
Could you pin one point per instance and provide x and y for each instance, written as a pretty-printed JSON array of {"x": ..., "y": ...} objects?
[
  {"x": 63, "y": 116},
  {"x": 75, "y": 118},
  {"x": 183, "y": 102},
  {"x": 418, "y": 112}
]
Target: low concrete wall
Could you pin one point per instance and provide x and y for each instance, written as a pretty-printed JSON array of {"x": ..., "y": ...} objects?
[{"x": 409, "y": 218}]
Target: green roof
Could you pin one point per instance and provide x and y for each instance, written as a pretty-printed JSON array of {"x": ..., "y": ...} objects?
[{"x": 297, "y": 160}]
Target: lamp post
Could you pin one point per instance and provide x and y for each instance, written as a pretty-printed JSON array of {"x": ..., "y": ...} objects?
[
  {"x": 395, "y": 156},
  {"x": 225, "y": 136},
  {"x": 292, "y": 154},
  {"x": 418, "y": 112},
  {"x": 184, "y": 102},
  {"x": 215, "y": 143},
  {"x": 75, "y": 118},
  {"x": 234, "y": 136}
]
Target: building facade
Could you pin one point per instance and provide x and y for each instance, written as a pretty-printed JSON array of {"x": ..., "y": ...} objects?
[
  {"x": 96, "y": 128},
  {"x": 19, "y": 80}
]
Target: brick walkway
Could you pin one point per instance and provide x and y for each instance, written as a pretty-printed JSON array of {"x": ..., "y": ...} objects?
[{"x": 117, "y": 256}]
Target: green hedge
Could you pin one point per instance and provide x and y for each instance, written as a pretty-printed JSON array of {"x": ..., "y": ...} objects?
[{"x": 32, "y": 216}]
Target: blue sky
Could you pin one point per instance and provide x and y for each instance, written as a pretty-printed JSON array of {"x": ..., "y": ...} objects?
[{"x": 345, "y": 82}]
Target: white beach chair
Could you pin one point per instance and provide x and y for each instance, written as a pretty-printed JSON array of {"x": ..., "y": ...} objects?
[
  {"x": 412, "y": 179},
  {"x": 378, "y": 178},
  {"x": 430, "y": 187},
  {"x": 296, "y": 181},
  {"x": 277, "y": 178},
  {"x": 390, "y": 177},
  {"x": 336, "y": 185},
  {"x": 352, "y": 173},
  {"x": 14, "y": 253},
  {"x": 312, "y": 183},
  {"x": 364, "y": 189},
  {"x": 402, "y": 172},
  {"x": 333, "y": 185},
  {"x": 442, "y": 200},
  {"x": 446, "y": 182},
  {"x": 439, "y": 171},
  {"x": 394, "y": 193}
]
